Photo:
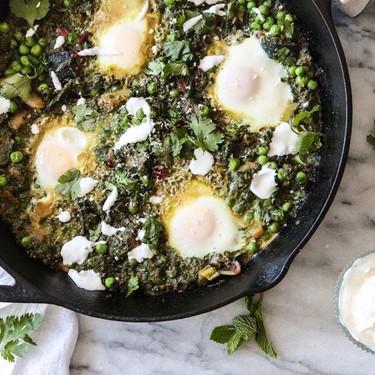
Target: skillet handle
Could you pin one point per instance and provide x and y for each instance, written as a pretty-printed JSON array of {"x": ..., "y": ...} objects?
[{"x": 325, "y": 6}]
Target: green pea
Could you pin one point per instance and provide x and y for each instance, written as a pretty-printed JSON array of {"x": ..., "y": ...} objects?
[
  {"x": 259, "y": 19},
  {"x": 174, "y": 94},
  {"x": 133, "y": 208},
  {"x": 270, "y": 21},
  {"x": 25, "y": 60},
  {"x": 13, "y": 44},
  {"x": 292, "y": 70},
  {"x": 101, "y": 248},
  {"x": 109, "y": 281},
  {"x": 145, "y": 180},
  {"x": 249, "y": 216},
  {"x": 16, "y": 157},
  {"x": 140, "y": 114},
  {"x": 152, "y": 88},
  {"x": 301, "y": 81},
  {"x": 234, "y": 163},
  {"x": 256, "y": 26},
  {"x": 272, "y": 165},
  {"x": 230, "y": 202},
  {"x": 67, "y": 3},
  {"x": 13, "y": 107},
  {"x": 301, "y": 177},
  {"x": 262, "y": 159},
  {"x": 242, "y": 8},
  {"x": 3, "y": 181},
  {"x": 169, "y": 2},
  {"x": 266, "y": 236},
  {"x": 300, "y": 70},
  {"x": 280, "y": 16},
  {"x": 9, "y": 72},
  {"x": 287, "y": 206},
  {"x": 205, "y": 111},
  {"x": 18, "y": 36},
  {"x": 262, "y": 150},
  {"x": 274, "y": 227},
  {"x": 252, "y": 247},
  {"x": 23, "y": 49},
  {"x": 26, "y": 241},
  {"x": 42, "y": 42},
  {"x": 312, "y": 85},
  {"x": 239, "y": 209},
  {"x": 72, "y": 38},
  {"x": 267, "y": 202},
  {"x": 29, "y": 41},
  {"x": 289, "y": 19},
  {"x": 133, "y": 262},
  {"x": 36, "y": 50},
  {"x": 27, "y": 70},
  {"x": 275, "y": 30},
  {"x": 4, "y": 28},
  {"x": 34, "y": 61},
  {"x": 250, "y": 5},
  {"x": 281, "y": 174},
  {"x": 264, "y": 10},
  {"x": 43, "y": 87}
]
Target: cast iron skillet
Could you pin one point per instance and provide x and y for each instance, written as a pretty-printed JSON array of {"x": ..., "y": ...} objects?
[{"x": 37, "y": 283}]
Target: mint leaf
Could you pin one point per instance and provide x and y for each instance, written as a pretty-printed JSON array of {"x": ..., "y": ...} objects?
[
  {"x": 14, "y": 86},
  {"x": 222, "y": 334},
  {"x": 245, "y": 326},
  {"x": 29, "y": 10},
  {"x": 14, "y": 338},
  {"x": 84, "y": 117},
  {"x": 69, "y": 184},
  {"x": 308, "y": 143},
  {"x": 234, "y": 342},
  {"x": 133, "y": 285},
  {"x": 261, "y": 335},
  {"x": 305, "y": 115},
  {"x": 205, "y": 135},
  {"x": 178, "y": 51}
]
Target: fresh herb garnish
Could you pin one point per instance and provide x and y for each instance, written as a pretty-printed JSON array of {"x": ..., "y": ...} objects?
[
  {"x": 244, "y": 328},
  {"x": 69, "y": 184},
  {"x": 29, "y": 10},
  {"x": 84, "y": 117},
  {"x": 371, "y": 138},
  {"x": 305, "y": 115},
  {"x": 205, "y": 135},
  {"x": 153, "y": 231},
  {"x": 14, "y": 335},
  {"x": 155, "y": 68},
  {"x": 123, "y": 182},
  {"x": 165, "y": 70},
  {"x": 178, "y": 51},
  {"x": 308, "y": 142},
  {"x": 14, "y": 86},
  {"x": 133, "y": 285}
]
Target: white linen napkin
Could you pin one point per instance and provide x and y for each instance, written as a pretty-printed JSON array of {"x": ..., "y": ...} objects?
[
  {"x": 351, "y": 7},
  {"x": 56, "y": 338}
]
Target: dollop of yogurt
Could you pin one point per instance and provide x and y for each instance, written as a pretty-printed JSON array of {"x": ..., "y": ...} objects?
[
  {"x": 263, "y": 183},
  {"x": 284, "y": 141},
  {"x": 356, "y": 301},
  {"x": 89, "y": 280},
  {"x": 202, "y": 163}
]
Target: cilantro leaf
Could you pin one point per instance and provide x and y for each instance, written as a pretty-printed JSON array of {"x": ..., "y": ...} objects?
[
  {"x": 222, "y": 334},
  {"x": 155, "y": 68},
  {"x": 205, "y": 135},
  {"x": 371, "y": 138},
  {"x": 178, "y": 68},
  {"x": 308, "y": 142},
  {"x": 29, "y": 10},
  {"x": 177, "y": 51},
  {"x": 133, "y": 285},
  {"x": 14, "y": 86},
  {"x": 177, "y": 139},
  {"x": 14, "y": 335},
  {"x": 69, "y": 184},
  {"x": 123, "y": 182},
  {"x": 305, "y": 115},
  {"x": 84, "y": 117}
]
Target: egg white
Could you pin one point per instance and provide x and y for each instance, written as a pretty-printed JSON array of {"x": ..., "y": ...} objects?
[{"x": 248, "y": 86}]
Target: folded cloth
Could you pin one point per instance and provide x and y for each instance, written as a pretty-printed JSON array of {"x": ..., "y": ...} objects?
[
  {"x": 56, "y": 338},
  {"x": 351, "y": 7}
]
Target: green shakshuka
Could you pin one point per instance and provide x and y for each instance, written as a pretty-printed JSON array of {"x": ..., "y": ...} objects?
[{"x": 153, "y": 145}]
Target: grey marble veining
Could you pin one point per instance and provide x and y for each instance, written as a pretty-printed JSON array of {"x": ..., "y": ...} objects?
[{"x": 299, "y": 312}]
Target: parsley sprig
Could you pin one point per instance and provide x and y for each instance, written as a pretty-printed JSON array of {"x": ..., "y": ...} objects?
[
  {"x": 14, "y": 335},
  {"x": 84, "y": 117},
  {"x": 245, "y": 328},
  {"x": 69, "y": 184},
  {"x": 14, "y": 86},
  {"x": 29, "y": 10}
]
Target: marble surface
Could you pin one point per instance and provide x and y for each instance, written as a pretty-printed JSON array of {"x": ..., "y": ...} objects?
[{"x": 299, "y": 311}]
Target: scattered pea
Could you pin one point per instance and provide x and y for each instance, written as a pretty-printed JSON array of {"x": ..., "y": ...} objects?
[
  {"x": 264, "y": 10},
  {"x": 42, "y": 42},
  {"x": 29, "y": 41},
  {"x": 23, "y": 49},
  {"x": 249, "y": 216},
  {"x": 301, "y": 81},
  {"x": 18, "y": 36},
  {"x": 288, "y": 19},
  {"x": 280, "y": 16},
  {"x": 109, "y": 281},
  {"x": 43, "y": 87},
  {"x": 16, "y": 157},
  {"x": 13, "y": 107},
  {"x": 36, "y": 50},
  {"x": 239, "y": 208},
  {"x": 281, "y": 174},
  {"x": 234, "y": 163},
  {"x": 292, "y": 70},
  {"x": 242, "y": 2},
  {"x": 26, "y": 241},
  {"x": 67, "y": 3},
  {"x": 25, "y": 60},
  {"x": 287, "y": 206},
  {"x": 272, "y": 165},
  {"x": 133, "y": 262},
  {"x": 252, "y": 247},
  {"x": 133, "y": 208},
  {"x": 274, "y": 227},
  {"x": 13, "y": 44},
  {"x": 301, "y": 177},
  {"x": 9, "y": 72},
  {"x": 205, "y": 111},
  {"x": 266, "y": 236},
  {"x": 300, "y": 70},
  {"x": 3, "y": 181},
  {"x": 33, "y": 60},
  {"x": 152, "y": 88},
  {"x": 169, "y": 2},
  {"x": 4, "y": 28},
  {"x": 275, "y": 30},
  {"x": 174, "y": 94},
  {"x": 242, "y": 8},
  {"x": 262, "y": 159},
  {"x": 230, "y": 202},
  {"x": 72, "y": 38},
  {"x": 256, "y": 26},
  {"x": 312, "y": 85},
  {"x": 262, "y": 150},
  {"x": 250, "y": 5},
  {"x": 27, "y": 70},
  {"x": 145, "y": 180},
  {"x": 101, "y": 248}
]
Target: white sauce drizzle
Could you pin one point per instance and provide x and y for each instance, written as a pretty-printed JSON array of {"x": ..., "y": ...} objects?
[
  {"x": 87, "y": 185},
  {"x": 31, "y": 31},
  {"x": 89, "y": 280},
  {"x": 110, "y": 201},
  {"x": 4, "y": 105},
  {"x": 65, "y": 216},
  {"x": 97, "y": 51},
  {"x": 81, "y": 101},
  {"x": 155, "y": 200},
  {"x": 191, "y": 23},
  {"x": 109, "y": 231},
  {"x": 263, "y": 183},
  {"x": 203, "y": 162},
  {"x": 216, "y": 9},
  {"x": 76, "y": 250},
  {"x": 56, "y": 82},
  {"x": 60, "y": 40},
  {"x": 141, "y": 235},
  {"x": 35, "y": 129},
  {"x": 284, "y": 141},
  {"x": 143, "y": 12},
  {"x": 211, "y": 61},
  {"x": 259, "y": 14},
  {"x": 140, "y": 253}
]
